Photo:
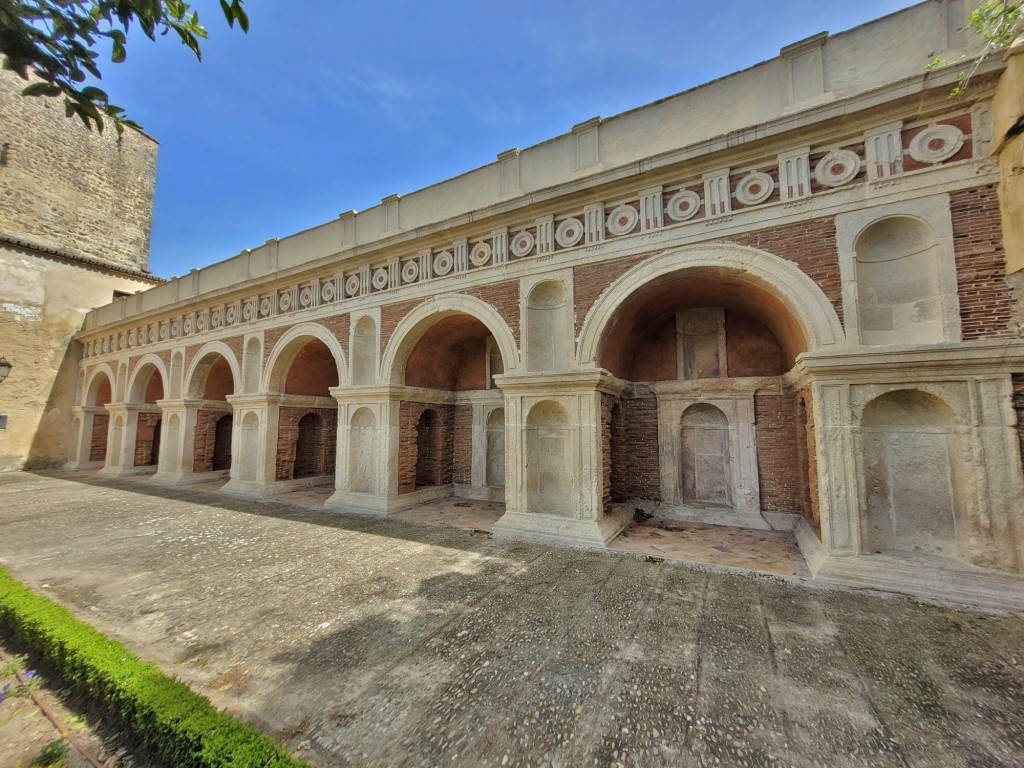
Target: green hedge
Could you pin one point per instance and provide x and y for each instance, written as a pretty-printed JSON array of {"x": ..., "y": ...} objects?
[{"x": 179, "y": 725}]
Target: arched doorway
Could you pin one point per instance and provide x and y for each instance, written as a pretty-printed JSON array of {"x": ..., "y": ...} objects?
[
  {"x": 97, "y": 421},
  {"x": 211, "y": 381},
  {"x": 147, "y": 388}
]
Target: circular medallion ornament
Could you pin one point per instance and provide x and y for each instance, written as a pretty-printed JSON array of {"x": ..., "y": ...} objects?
[
  {"x": 175, "y": 329},
  {"x": 410, "y": 271},
  {"x": 187, "y": 326},
  {"x": 622, "y": 220},
  {"x": 306, "y": 297},
  {"x": 521, "y": 244},
  {"x": 131, "y": 339},
  {"x": 106, "y": 345},
  {"x": 683, "y": 205},
  {"x": 352, "y": 285},
  {"x": 755, "y": 188},
  {"x": 265, "y": 307},
  {"x": 327, "y": 291},
  {"x": 284, "y": 302},
  {"x": 443, "y": 263},
  {"x": 231, "y": 316},
  {"x": 380, "y": 278},
  {"x": 215, "y": 319},
  {"x": 936, "y": 143},
  {"x": 201, "y": 323},
  {"x": 569, "y": 232},
  {"x": 838, "y": 167},
  {"x": 247, "y": 311},
  {"x": 480, "y": 254}
]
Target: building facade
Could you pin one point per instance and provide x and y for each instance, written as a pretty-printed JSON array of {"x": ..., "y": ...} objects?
[
  {"x": 779, "y": 300},
  {"x": 75, "y": 213}
]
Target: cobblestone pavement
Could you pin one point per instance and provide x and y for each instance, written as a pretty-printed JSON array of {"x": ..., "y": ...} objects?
[{"x": 373, "y": 642}]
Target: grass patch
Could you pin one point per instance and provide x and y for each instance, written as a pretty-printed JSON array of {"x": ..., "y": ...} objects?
[{"x": 177, "y": 724}]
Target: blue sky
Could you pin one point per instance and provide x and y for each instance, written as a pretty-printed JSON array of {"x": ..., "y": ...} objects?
[{"x": 327, "y": 106}]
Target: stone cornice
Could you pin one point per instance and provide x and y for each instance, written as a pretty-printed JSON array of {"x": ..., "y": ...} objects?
[{"x": 933, "y": 362}]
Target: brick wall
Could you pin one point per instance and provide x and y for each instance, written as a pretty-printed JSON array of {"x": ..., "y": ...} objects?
[
  {"x": 147, "y": 440},
  {"x": 462, "y": 461},
  {"x": 207, "y": 446},
  {"x": 589, "y": 282},
  {"x": 338, "y": 325},
  {"x": 504, "y": 297},
  {"x": 783, "y": 485},
  {"x": 98, "y": 443},
  {"x": 635, "y": 470},
  {"x": 438, "y": 458},
  {"x": 1018, "y": 406},
  {"x": 234, "y": 343},
  {"x": 811, "y": 245},
  {"x": 321, "y": 454},
  {"x": 986, "y": 309}
]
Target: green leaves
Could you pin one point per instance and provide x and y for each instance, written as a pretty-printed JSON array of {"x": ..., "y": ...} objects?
[{"x": 55, "y": 41}]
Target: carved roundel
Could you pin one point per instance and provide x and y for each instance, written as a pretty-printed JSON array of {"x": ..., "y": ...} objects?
[
  {"x": 248, "y": 310},
  {"x": 410, "y": 271},
  {"x": 284, "y": 302},
  {"x": 231, "y": 316},
  {"x": 443, "y": 263},
  {"x": 327, "y": 291},
  {"x": 622, "y": 220},
  {"x": 131, "y": 339},
  {"x": 755, "y": 188},
  {"x": 683, "y": 205},
  {"x": 215, "y": 318},
  {"x": 936, "y": 143},
  {"x": 838, "y": 167},
  {"x": 352, "y": 285},
  {"x": 106, "y": 345},
  {"x": 569, "y": 232},
  {"x": 521, "y": 244},
  {"x": 380, "y": 278},
  {"x": 174, "y": 329},
  {"x": 187, "y": 326},
  {"x": 306, "y": 296},
  {"x": 201, "y": 323},
  {"x": 480, "y": 254},
  {"x": 265, "y": 307}
]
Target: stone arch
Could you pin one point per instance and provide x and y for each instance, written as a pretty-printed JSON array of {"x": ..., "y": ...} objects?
[
  {"x": 706, "y": 471},
  {"x": 414, "y": 325},
  {"x": 99, "y": 383},
  {"x": 549, "y": 460},
  {"x": 362, "y": 451},
  {"x": 899, "y": 296},
  {"x": 147, "y": 367},
  {"x": 806, "y": 303},
  {"x": 548, "y": 338},
  {"x": 290, "y": 344},
  {"x": 203, "y": 362},
  {"x": 364, "y": 350},
  {"x": 912, "y": 463},
  {"x": 494, "y": 461}
]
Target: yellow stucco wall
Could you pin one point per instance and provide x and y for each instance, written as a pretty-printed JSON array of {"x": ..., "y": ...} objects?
[{"x": 1007, "y": 108}]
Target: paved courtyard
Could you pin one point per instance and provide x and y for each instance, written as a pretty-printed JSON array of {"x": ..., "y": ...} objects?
[{"x": 381, "y": 642}]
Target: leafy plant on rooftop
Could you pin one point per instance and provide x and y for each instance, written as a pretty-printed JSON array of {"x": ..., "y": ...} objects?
[{"x": 999, "y": 24}]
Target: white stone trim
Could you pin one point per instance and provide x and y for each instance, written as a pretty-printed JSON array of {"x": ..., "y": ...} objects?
[{"x": 133, "y": 379}]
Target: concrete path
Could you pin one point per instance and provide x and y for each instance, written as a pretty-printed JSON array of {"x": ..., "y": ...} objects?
[{"x": 369, "y": 642}]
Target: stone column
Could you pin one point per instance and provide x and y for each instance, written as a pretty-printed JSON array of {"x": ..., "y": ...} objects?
[
  {"x": 366, "y": 472},
  {"x": 253, "y": 444},
  {"x": 124, "y": 426},
  {"x": 177, "y": 450},
  {"x": 557, "y": 412}
]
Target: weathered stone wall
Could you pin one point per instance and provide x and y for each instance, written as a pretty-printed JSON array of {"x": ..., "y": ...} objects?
[
  {"x": 42, "y": 303},
  {"x": 72, "y": 189}
]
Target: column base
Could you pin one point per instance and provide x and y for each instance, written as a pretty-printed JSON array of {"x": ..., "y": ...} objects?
[
  {"x": 188, "y": 478},
  {"x": 114, "y": 472},
  {"x": 593, "y": 534},
  {"x": 734, "y": 518},
  {"x": 76, "y": 465}
]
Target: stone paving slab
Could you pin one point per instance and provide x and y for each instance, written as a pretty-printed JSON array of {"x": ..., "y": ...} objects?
[{"x": 362, "y": 641}]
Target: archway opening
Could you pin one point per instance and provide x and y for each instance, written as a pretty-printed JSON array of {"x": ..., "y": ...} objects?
[
  {"x": 913, "y": 487},
  {"x": 146, "y": 390},
  {"x": 308, "y": 420},
  {"x": 688, "y": 346},
  {"x": 446, "y": 440},
  {"x": 98, "y": 396},
  {"x": 212, "y": 382}
]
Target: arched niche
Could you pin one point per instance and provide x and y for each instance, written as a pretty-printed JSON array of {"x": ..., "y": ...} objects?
[
  {"x": 549, "y": 460},
  {"x": 452, "y": 354},
  {"x": 913, "y": 485},
  {"x": 147, "y": 384},
  {"x": 364, "y": 351},
  {"x": 248, "y": 446},
  {"x": 362, "y": 451},
  {"x": 428, "y": 450},
  {"x": 549, "y": 336},
  {"x": 252, "y": 358},
  {"x": 309, "y": 446},
  {"x": 495, "y": 449},
  {"x": 213, "y": 374},
  {"x": 899, "y": 297},
  {"x": 99, "y": 391},
  {"x": 706, "y": 463},
  {"x": 307, "y": 360}
]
